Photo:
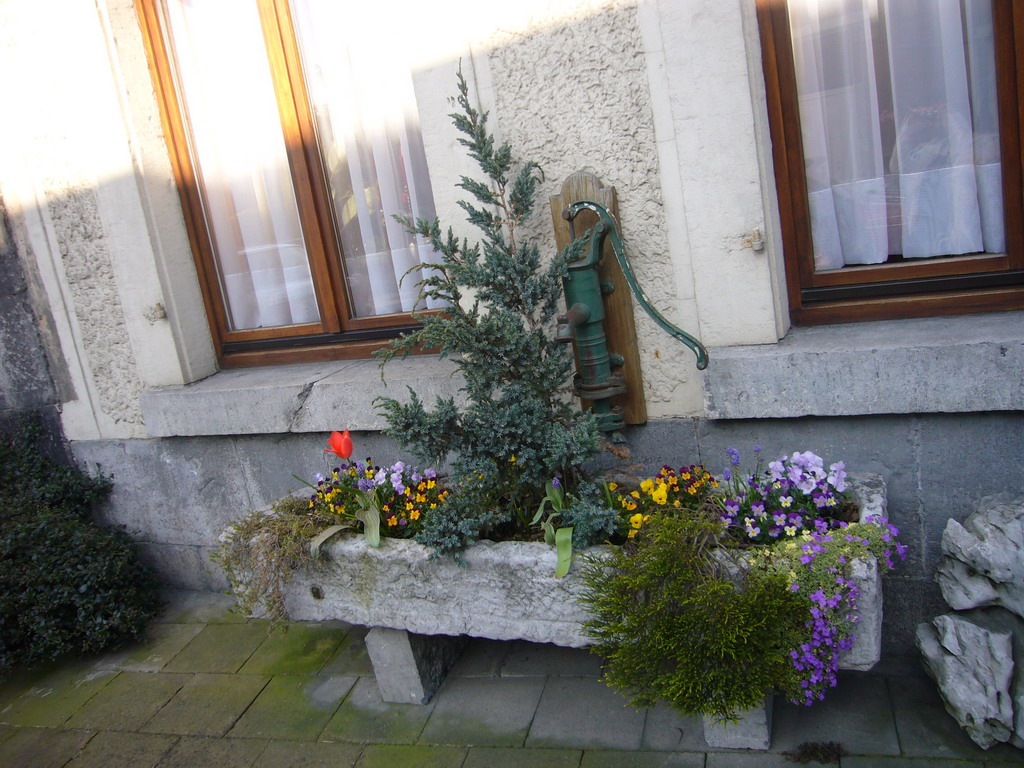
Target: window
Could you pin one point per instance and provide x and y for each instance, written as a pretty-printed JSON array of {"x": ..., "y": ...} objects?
[
  {"x": 294, "y": 137},
  {"x": 897, "y": 155}
]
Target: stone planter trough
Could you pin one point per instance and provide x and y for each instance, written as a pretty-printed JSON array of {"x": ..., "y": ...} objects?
[{"x": 422, "y": 610}]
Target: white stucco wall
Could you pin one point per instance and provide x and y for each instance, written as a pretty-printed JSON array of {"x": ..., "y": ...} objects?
[
  {"x": 654, "y": 96},
  {"x": 88, "y": 221}
]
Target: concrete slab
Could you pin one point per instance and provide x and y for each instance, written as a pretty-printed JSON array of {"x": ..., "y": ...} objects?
[
  {"x": 43, "y": 747},
  {"x": 898, "y": 762},
  {"x": 208, "y": 706},
  {"x": 609, "y": 759},
  {"x": 418, "y": 756},
  {"x": 128, "y": 701},
  {"x": 744, "y": 759},
  {"x": 219, "y": 648},
  {"x": 351, "y": 657},
  {"x": 505, "y": 757},
  {"x": 545, "y": 659},
  {"x": 293, "y": 707},
  {"x": 667, "y": 730},
  {"x": 364, "y": 717},
  {"x": 222, "y": 753},
  {"x": 605, "y": 722},
  {"x": 484, "y": 711},
  {"x": 927, "y": 730},
  {"x": 290, "y": 754},
  {"x": 301, "y": 648},
  {"x": 190, "y": 607},
  {"x": 482, "y": 658},
  {"x": 139, "y": 750},
  {"x": 55, "y": 697},
  {"x": 857, "y": 708},
  {"x": 163, "y": 643}
]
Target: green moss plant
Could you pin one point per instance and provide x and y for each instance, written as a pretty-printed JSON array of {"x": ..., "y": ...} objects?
[{"x": 680, "y": 619}]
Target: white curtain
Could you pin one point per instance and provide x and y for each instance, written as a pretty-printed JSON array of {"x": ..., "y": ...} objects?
[
  {"x": 241, "y": 161},
  {"x": 361, "y": 92},
  {"x": 900, "y": 129}
]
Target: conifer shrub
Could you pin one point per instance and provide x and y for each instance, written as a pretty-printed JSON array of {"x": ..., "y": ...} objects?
[
  {"x": 679, "y": 619},
  {"x": 520, "y": 427},
  {"x": 66, "y": 584}
]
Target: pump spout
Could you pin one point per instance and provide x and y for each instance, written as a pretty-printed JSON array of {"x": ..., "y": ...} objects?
[{"x": 565, "y": 330}]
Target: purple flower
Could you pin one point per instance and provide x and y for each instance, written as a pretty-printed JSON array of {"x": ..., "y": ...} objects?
[
  {"x": 727, "y": 474},
  {"x": 734, "y": 456},
  {"x": 556, "y": 483},
  {"x": 430, "y": 474}
]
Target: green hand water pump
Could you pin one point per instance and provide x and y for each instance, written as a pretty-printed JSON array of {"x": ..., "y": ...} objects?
[{"x": 583, "y": 322}]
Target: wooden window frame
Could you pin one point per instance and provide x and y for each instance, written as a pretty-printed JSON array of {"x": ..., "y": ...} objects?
[
  {"x": 338, "y": 335},
  {"x": 911, "y": 288}
]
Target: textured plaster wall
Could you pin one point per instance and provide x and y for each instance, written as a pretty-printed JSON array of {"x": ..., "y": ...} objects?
[{"x": 571, "y": 92}]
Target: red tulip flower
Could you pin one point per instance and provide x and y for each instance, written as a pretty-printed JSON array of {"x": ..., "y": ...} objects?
[{"x": 341, "y": 444}]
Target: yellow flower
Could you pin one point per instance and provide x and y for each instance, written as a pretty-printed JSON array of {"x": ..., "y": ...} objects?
[
  {"x": 660, "y": 495},
  {"x": 392, "y": 520},
  {"x": 631, "y": 533},
  {"x": 636, "y": 520},
  {"x": 512, "y": 459},
  {"x": 414, "y": 515},
  {"x": 635, "y": 494},
  {"x": 645, "y": 486},
  {"x": 612, "y": 486}
]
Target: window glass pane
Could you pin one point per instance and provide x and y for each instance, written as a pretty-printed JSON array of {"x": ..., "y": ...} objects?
[
  {"x": 239, "y": 154},
  {"x": 900, "y": 128},
  {"x": 361, "y": 93}
]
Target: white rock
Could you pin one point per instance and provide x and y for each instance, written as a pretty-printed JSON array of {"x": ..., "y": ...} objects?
[
  {"x": 973, "y": 667},
  {"x": 983, "y": 561}
]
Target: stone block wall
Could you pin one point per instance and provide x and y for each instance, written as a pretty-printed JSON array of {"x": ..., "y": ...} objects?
[{"x": 175, "y": 495}]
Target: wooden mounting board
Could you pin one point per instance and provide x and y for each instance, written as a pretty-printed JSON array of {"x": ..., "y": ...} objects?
[{"x": 619, "y": 325}]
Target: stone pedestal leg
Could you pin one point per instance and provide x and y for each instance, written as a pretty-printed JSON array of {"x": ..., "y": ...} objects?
[
  {"x": 409, "y": 668},
  {"x": 753, "y": 731}
]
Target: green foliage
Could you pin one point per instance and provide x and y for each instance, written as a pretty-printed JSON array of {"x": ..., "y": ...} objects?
[
  {"x": 520, "y": 428},
  {"x": 262, "y": 551},
  {"x": 679, "y": 620},
  {"x": 66, "y": 584}
]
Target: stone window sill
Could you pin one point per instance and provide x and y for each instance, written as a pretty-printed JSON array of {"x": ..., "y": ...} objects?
[
  {"x": 315, "y": 397},
  {"x": 967, "y": 363}
]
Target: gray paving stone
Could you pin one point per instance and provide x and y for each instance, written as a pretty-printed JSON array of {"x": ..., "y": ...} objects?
[
  {"x": 856, "y": 713},
  {"x": 508, "y": 757},
  {"x": 55, "y": 697},
  {"x": 351, "y": 657},
  {"x": 746, "y": 759},
  {"x": 584, "y": 712},
  {"x": 193, "y": 752},
  {"x": 219, "y": 648},
  {"x": 481, "y": 658},
  {"x": 418, "y": 756},
  {"x": 138, "y": 750},
  {"x": 163, "y": 643},
  {"x": 667, "y": 730},
  {"x": 545, "y": 659},
  {"x": 483, "y": 711},
  {"x": 906, "y": 762},
  {"x": 927, "y": 730},
  {"x": 188, "y": 607},
  {"x": 290, "y": 754},
  {"x": 293, "y": 707},
  {"x": 300, "y": 648},
  {"x": 610, "y": 759},
  {"x": 364, "y": 717},
  {"x": 42, "y": 747},
  {"x": 128, "y": 701},
  {"x": 208, "y": 706}
]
